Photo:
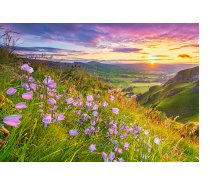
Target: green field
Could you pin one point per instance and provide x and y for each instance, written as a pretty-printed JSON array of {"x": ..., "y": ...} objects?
[
  {"x": 138, "y": 87},
  {"x": 143, "y": 87}
]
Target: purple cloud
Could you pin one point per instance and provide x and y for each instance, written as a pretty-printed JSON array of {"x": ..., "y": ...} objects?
[
  {"x": 91, "y": 34},
  {"x": 126, "y": 50}
]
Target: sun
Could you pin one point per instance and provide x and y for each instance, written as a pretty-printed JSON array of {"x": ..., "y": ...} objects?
[{"x": 151, "y": 62}]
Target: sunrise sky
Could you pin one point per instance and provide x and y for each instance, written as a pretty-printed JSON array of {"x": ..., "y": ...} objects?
[{"x": 125, "y": 43}]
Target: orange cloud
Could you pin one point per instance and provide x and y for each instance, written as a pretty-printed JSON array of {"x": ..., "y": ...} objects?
[
  {"x": 152, "y": 46},
  {"x": 162, "y": 56},
  {"x": 176, "y": 48},
  {"x": 184, "y": 46},
  {"x": 144, "y": 53},
  {"x": 184, "y": 56}
]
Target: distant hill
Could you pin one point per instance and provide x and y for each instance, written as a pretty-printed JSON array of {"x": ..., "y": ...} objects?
[
  {"x": 95, "y": 66},
  {"x": 135, "y": 68},
  {"x": 179, "y": 96},
  {"x": 165, "y": 68},
  {"x": 101, "y": 68},
  {"x": 187, "y": 75}
]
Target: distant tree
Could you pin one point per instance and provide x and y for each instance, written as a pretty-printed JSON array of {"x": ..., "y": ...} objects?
[{"x": 8, "y": 43}]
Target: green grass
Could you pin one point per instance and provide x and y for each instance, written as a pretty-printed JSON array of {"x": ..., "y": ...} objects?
[
  {"x": 184, "y": 104},
  {"x": 143, "y": 87},
  {"x": 138, "y": 87},
  {"x": 32, "y": 142}
]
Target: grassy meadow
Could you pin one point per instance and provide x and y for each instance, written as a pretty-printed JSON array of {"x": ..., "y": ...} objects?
[
  {"x": 90, "y": 120},
  {"x": 138, "y": 87}
]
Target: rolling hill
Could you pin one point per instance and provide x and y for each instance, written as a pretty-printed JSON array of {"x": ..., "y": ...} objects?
[{"x": 179, "y": 96}]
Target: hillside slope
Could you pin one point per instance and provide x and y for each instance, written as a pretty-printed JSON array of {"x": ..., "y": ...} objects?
[
  {"x": 72, "y": 116},
  {"x": 179, "y": 96}
]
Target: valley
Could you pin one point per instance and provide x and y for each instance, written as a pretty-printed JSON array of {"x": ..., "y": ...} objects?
[{"x": 170, "y": 88}]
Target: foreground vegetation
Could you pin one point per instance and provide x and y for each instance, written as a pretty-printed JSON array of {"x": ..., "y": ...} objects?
[{"x": 69, "y": 115}]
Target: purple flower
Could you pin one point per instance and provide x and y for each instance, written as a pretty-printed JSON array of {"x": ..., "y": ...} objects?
[
  {"x": 80, "y": 103},
  {"x": 126, "y": 146},
  {"x": 26, "y": 67},
  {"x": 123, "y": 137},
  {"x": 49, "y": 82},
  {"x": 25, "y": 86},
  {"x": 111, "y": 98},
  {"x": 118, "y": 150},
  {"x": 92, "y": 147},
  {"x": 51, "y": 101},
  {"x": 58, "y": 96},
  {"x": 31, "y": 79},
  {"x": 115, "y": 110},
  {"x": 157, "y": 141},
  {"x": 73, "y": 132},
  {"x": 130, "y": 130},
  {"x": 70, "y": 100},
  {"x": 89, "y": 98},
  {"x": 41, "y": 96},
  {"x": 51, "y": 85},
  {"x": 136, "y": 130},
  {"x": 60, "y": 117},
  {"x": 80, "y": 122},
  {"x": 13, "y": 120},
  {"x": 104, "y": 156},
  {"x": 47, "y": 119},
  {"x": 105, "y": 104},
  {"x": 92, "y": 128},
  {"x": 87, "y": 131},
  {"x": 93, "y": 122},
  {"x": 33, "y": 86},
  {"x": 113, "y": 130},
  {"x": 88, "y": 104},
  {"x": 95, "y": 107},
  {"x": 111, "y": 156},
  {"x": 20, "y": 105},
  {"x": 11, "y": 91},
  {"x": 78, "y": 112},
  {"x": 75, "y": 103},
  {"x": 85, "y": 116},
  {"x": 51, "y": 93},
  {"x": 95, "y": 113},
  {"x": 28, "y": 95}
]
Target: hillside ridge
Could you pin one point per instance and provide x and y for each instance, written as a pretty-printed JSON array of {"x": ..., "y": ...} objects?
[
  {"x": 179, "y": 96},
  {"x": 186, "y": 75}
]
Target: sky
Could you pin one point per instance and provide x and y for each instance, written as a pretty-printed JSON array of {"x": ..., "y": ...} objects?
[{"x": 109, "y": 43}]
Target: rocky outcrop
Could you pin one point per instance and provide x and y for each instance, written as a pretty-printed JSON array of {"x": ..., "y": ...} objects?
[
  {"x": 129, "y": 89},
  {"x": 138, "y": 97},
  {"x": 187, "y": 75}
]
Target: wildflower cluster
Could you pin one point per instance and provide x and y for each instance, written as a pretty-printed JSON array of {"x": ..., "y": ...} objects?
[{"x": 91, "y": 121}]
